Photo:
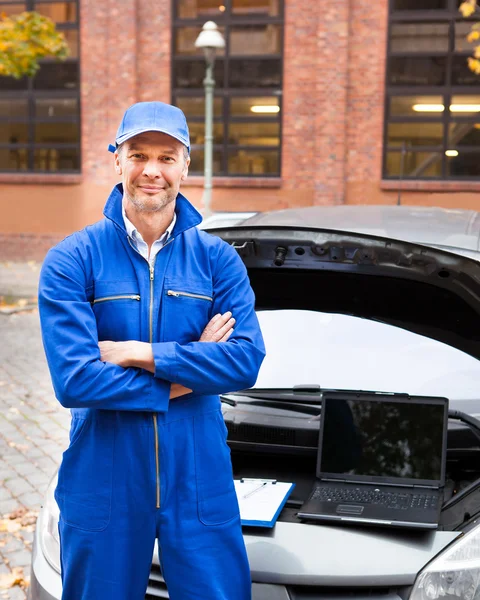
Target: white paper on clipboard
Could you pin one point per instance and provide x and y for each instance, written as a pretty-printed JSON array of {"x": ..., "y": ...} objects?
[{"x": 261, "y": 500}]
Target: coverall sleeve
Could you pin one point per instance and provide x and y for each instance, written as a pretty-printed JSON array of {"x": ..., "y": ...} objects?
[
  {"x": 218, "y": 368},
  {"x": 69, "y": 332}
]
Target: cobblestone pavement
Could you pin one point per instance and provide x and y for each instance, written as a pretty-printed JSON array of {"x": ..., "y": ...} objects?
[{"x": 33, "y": 434}]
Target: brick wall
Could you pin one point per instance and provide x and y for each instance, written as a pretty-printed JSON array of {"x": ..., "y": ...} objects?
[{"x": 125, "y": 58}]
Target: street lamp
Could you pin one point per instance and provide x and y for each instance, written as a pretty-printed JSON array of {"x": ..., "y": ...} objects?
[{"x": 209, "y": 40}]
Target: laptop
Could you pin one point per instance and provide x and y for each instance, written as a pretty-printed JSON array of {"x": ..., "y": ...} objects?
[{"x": 381, "y": 460}]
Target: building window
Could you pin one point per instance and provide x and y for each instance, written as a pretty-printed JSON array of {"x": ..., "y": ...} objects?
[
  {"x": 248, "y": 83},
  {"x": 40, "y": 116},
  {"x": 432, "y": 124}
]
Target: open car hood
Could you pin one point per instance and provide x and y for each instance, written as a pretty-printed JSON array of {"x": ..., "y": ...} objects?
[
  {"x": 324, "y": 555},
  {"x": 422, "y": 289}
]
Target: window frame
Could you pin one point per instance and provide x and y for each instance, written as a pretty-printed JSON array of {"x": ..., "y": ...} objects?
[
  {"x": 449, "y": 16},
  {"x": 226, "y": 20},
  {"x": 31, "y": 94}
]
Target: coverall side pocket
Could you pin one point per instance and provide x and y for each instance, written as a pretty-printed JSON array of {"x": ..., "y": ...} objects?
[
  {"x": 217, "y": 500},
  {"x": 84, "y": 490}
]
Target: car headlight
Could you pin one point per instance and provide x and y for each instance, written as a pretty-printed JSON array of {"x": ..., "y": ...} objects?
[
  {"x": 455, "y": 573},
  {"x": 48, "y": 523}
]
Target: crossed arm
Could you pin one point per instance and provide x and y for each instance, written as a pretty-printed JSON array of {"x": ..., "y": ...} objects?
[
  {"x": 87, "y": 373},
  {"x": 140, "y": 354}
]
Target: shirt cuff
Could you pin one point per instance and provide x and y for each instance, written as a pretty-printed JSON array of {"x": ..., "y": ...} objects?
[{"x": 165, "y": 359}]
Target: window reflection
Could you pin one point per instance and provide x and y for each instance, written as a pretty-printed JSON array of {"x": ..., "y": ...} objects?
[
  {"x": 416, "y": 106},
  {"x": 13, "y": 133},
  {"x": 255, "y": 73},
  {"x": 419, "y": 4},
  {"x": 10, "y": 83},
  {"x": 464, "y": 165},
  {"x": 254, "y": 134},
  {"x": 252, "y": 162},
  {"x": 255, "y": 39},
  {"x": 464, "y": 134},
  {"x": 461, "y": 74},
  {"x": 56, "y": 133},
  {"x": 197, "y": 163},
  {"x": 13, "y": 159},
  {"x": 38, "y": 113},
  {"x": 191, "y": 9},
  {"x": 190, "y": 74},
  {"x": 248, "y": 80},
  {"x": 13, "y": 109},
  {"x": 415, "y": 164},
  {"x": 54, "y": 76},
  {"x": 12, "y": 9},
  {"x": 254, "y": 106},
  {"x": 255, "y": 7},
  {"x": 414, "y": 70},
  {"x": 71, "y": 37},
  {"x": 54, "y": 108},
  {"x": 60, "y": 12},
  {"x": 462, "y": 29},
  {"x": 195, "y": 107},
  {"x": 56, "y": 159},
  {"x": 197, "y": 133},
  {"x": 465, "y": 106},
  {"x": 415, "y": 134},
  {"x": 419, "y": 37},
  {"x": 185, "y": 42}
]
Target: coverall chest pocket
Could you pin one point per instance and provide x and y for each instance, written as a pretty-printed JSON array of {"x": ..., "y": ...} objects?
[
  {"x": 116, "y": 305},
  {"x": 217, "y": 500},
  {"x": 85, "y": 478},
  {"x": 187, "y": 306}
]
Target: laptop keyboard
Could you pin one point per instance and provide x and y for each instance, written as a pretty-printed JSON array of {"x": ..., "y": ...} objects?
[{"x": 388, "y": 499}]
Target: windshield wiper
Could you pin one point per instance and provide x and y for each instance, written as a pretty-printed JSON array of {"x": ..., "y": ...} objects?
[{"x": 305, "y": 394}]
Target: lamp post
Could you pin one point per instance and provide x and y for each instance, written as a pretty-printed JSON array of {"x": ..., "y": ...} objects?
[{"x": 209, "y": 40}]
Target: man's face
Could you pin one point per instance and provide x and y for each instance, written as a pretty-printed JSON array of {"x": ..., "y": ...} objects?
[{"x": 152, "y": 166}]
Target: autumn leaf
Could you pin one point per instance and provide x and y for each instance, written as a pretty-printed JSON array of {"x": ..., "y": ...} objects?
[
  {"x": 25, "y": 39},
  {"x": 16, "y": 577},
  {"x": 473, "y": 36},
  {"x": 474, "y": 65},
  {"x": 467, "y": 8}
]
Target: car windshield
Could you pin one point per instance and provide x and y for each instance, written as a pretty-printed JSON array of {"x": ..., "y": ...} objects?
[{"x": 345, "y": 352}]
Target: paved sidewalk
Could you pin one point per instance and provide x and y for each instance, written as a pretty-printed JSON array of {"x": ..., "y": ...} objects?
[
  {"x": 19, "y": 279},
  {"x": 33, "y": 428}
]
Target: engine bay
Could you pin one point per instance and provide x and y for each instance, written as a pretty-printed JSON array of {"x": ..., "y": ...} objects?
[{"x": 277, "y": 439}]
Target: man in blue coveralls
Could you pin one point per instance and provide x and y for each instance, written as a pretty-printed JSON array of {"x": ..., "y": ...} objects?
[{"x": 146, "y": 320}]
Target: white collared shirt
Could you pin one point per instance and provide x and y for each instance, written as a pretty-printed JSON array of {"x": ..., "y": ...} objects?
[{"x": 139, "y": 243}]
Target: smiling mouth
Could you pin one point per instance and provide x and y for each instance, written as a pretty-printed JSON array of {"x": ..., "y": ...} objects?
[{"x": 151, "y": 190}]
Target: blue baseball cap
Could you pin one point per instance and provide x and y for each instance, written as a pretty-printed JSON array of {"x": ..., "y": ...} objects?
[{"x": 152, "y": 116}]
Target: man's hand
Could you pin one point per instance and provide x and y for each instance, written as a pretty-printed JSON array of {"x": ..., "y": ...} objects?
[
  {"x": 139, "y": 354},
  {"x": 219, "y": 329}
]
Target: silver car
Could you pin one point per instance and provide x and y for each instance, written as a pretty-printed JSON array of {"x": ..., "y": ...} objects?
[{"x": 359, "y": 298}]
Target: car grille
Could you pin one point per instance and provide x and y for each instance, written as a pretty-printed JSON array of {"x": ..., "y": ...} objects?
[
  {"x": 261, "y": 434},
  {"x": 158, "y": 589}
]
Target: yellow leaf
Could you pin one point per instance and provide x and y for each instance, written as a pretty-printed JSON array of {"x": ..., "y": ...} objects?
[
  {"x": 8, "y": 580},
  {"x": 468, "y": 7},
  {"x": 473, "y": 36}
]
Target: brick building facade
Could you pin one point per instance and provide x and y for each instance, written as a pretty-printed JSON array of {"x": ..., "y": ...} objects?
[{"x": 334, "y": 65}]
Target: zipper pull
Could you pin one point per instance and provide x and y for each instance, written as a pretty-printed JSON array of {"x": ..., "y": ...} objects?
[
  {"x": 172, "y": 293},
  {"x": 151, "y": 272}
]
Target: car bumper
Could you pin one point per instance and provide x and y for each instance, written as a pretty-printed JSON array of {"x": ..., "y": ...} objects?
[{"x": 46, "y": 583}]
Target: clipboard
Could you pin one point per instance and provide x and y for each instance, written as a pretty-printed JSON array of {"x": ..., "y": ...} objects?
[{"x": 261, "y": 500}]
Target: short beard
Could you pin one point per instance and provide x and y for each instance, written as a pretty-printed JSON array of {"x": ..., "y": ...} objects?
[{"x": 159, "y": 204}]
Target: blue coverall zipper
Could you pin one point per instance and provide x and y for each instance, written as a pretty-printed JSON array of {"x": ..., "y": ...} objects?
[
  {"x": 155, "y": 425},
  {"x": 151, "y": 269}
]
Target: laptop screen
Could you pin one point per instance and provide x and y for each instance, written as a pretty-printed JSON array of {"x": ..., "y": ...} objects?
[{"x": 382, "y": 438}]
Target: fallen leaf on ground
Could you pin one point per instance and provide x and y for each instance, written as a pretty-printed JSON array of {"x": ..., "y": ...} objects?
[{"x": 9, "y": 580}]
